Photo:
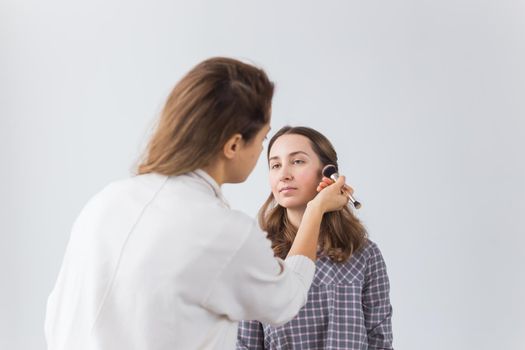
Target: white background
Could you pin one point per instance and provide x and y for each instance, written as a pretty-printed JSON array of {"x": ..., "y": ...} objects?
[{"x": 424, "y": 101}]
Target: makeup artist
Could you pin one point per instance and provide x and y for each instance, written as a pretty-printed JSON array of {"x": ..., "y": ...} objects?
[{"x": 159, "y": 260}]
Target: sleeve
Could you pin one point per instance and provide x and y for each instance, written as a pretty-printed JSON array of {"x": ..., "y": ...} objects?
[
  {"x": 254, "y": 285},
  {"x": 250, "y": 336},
  {"x": 376, "y": 302}
]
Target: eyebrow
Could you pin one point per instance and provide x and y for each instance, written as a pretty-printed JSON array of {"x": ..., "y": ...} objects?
[{"x": 290, "y": 155}]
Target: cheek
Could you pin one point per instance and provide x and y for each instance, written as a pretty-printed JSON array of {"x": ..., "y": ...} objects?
[
  {"x": 309, "y": 180},
  {"x": 274, "y": 181}
]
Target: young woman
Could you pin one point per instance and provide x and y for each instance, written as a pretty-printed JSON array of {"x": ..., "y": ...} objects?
[
  {"x": 348, "y": 303},
  {"x": 159, "y": 261}
]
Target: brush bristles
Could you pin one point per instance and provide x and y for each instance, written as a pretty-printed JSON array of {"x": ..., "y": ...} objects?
[{"x": 329, "y": 170}]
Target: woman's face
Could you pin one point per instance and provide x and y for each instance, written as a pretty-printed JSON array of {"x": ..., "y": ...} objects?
[{"x": 295, "y": 171}]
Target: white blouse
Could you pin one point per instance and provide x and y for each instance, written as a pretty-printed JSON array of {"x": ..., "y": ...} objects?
[{"x": 157, "y": 262}]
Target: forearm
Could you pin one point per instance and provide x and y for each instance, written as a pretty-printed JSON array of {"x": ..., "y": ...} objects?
[{"x": 306, "y": 240}]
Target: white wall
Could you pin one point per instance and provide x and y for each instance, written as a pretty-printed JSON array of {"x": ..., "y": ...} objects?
[{"x": 424, "y": 101}]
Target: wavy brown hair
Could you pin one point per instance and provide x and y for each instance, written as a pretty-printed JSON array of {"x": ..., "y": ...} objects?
[
  {"x": 215, "y": 100},
  {"x": 341, "y": 232}
]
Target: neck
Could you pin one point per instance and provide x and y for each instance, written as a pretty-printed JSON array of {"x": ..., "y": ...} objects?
[
  {"x": 295, "y": 215},
  {"x": 216, "y": 171}
]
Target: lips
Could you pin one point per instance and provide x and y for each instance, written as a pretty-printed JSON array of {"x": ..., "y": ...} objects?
[{"x": 287, "y": 189}]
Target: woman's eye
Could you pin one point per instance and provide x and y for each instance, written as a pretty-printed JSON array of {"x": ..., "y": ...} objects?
[
  {"x": 275, "y": 166},
  {"x": 298, "y": 161}
]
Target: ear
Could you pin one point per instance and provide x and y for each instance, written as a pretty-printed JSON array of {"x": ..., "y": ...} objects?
[{"x": 232, "y": 146}]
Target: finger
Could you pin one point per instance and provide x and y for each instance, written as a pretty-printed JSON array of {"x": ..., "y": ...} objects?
[
  {"x": 327, "y": 180},
  {"x": 341, "y": 181},
  {"x": 349, "y": 189},
  {"x": 344, "y": 201},
  {"x": 321, "y": 186}
]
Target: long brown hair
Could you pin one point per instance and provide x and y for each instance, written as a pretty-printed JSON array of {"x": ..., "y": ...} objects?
[
  {"x": 341, "y": 232},
  {"x": 215, "y": 100}
]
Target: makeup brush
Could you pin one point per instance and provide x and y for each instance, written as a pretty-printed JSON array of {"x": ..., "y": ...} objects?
[{"x": 330, "y": 171}]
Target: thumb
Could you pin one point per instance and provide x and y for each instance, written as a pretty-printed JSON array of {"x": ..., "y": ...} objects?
[{"x": 341, "y": 181}]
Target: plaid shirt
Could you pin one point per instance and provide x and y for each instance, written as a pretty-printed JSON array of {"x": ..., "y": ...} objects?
[{"x": 348, "y": 308}]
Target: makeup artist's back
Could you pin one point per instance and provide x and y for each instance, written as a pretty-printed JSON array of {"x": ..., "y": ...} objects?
[{"x": 157, "y": 262}]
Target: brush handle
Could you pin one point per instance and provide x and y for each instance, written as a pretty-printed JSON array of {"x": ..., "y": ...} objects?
[{"x": 346, "y": 191}]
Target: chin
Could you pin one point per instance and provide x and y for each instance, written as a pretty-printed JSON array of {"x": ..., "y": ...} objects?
[
  {"x": 238, "y": 180},
  {"x": 292, "y": 203}
]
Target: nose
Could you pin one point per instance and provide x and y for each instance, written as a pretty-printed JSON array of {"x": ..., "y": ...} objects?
[{"x": 285, "y": 173}]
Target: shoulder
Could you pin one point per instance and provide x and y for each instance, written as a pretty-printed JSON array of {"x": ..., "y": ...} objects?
[
  {"x": 352, "y": 270},
  {"x": 235, "y": 223},
  {"x": 130, "y": 187},
  {"x": 370, "y": 249},
  {"x": 372, "y": 256},
  {"x": 122, "y": 196},
  {"x": 238, "y": 217}
]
